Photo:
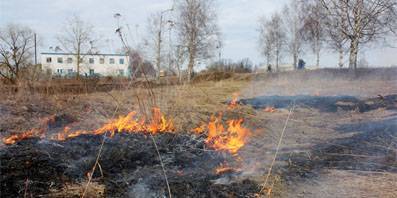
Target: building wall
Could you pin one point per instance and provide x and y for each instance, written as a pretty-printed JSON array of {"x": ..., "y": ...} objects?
[{"x": 65, "y": 67}]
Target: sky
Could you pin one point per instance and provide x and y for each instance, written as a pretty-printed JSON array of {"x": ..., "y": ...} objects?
[{"x": 238, "y": 22}]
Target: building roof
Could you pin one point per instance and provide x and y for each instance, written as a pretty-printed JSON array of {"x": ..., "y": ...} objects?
[{"x": 62, "y": 53}]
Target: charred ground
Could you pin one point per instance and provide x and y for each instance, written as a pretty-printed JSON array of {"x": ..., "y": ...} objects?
[{"x": 340, "y": 140}]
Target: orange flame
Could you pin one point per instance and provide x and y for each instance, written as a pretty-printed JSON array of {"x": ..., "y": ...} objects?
[
  {"x": 270, "y": 110},
  {"x": 27, "y": 134},
  {"x": 231, "y": 140},
  {"x": 127, "y": 124},
  {"x": 224, "y": 168},
  {"x": 234, "y": 102},
  {"x": 200, "y": 129}
]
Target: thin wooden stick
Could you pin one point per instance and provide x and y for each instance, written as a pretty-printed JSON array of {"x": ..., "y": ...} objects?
[{"x": 278, "y": 148}]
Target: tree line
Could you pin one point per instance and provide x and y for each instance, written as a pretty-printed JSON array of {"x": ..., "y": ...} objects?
[
  {"x": 343, "y": 26},
  {"x": 186, "y": 35}
]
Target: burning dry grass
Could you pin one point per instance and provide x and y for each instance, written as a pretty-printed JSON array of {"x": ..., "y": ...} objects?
[{"x": 193, "y": 109}]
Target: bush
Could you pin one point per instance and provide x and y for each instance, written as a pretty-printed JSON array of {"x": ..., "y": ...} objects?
[{"x": 243, "y": 66}]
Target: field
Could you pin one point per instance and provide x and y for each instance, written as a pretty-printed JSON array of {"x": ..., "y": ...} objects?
[{"x": 323, "y": 133}]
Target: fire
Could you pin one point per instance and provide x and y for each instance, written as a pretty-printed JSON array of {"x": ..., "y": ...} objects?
[
  {"x": 68, "y": 133},
  {"x": 231, "y": 139},
  {"x": 234, "y": 102},
  {"x": 270, "y": 110},
  {"x": 129, "y": 124},
  {"x": 201, "y": 129},
  {"x": 124, "y": 124},
  {"x": 224, "y": 168},
  {"x": 28, "y": 134}
]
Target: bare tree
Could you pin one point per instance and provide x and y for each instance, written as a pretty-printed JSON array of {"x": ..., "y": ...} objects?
[
  {"x": 314, "y": 27},
  {"x": 197, "y": 29},
  {"x": 78, "y": 39},
  {"x": 266, "y": 42},
  {"x": 294, "y": 21},
  {"x": 361, "y": 21},
  {"x": 335, "y": 38},
  {"x": 179, "y": 57},
  {"x": 156, "y": 26},
  {"x": 16, "y": 45},
  {"x": 272, "y": 38}
]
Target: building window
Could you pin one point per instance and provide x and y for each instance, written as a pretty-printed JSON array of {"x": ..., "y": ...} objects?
[
  {"x": 60, "y": 71},
  {"x": 111, "y": 60},
  {"x": 69, "y": 60},
  {"x": 92, "y": 72},
  {"x": 121, "y": 72},
  {"x": 91, "y": 61},
  {"x": 60, "y": 60},
  {"x": 121, "y": 61},
  {"x": 102, "y": 61},
  {"x": 49, "y": 60},
  {"x": 70, "y": 71}
]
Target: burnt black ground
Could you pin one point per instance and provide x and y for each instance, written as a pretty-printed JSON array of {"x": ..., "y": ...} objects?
[{"x": 130, "y": 165}]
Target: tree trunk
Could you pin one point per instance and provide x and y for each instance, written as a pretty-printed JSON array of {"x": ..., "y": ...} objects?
[
  {"x": 353, "y": 54},
  {"x": 317, "y": 47},
  {"x": 190, "y": 67},
  {"x": 277, "y": 60},
  {"x": 158, "y": 55},
  {"x": 178, "y": 67},
  {"x": 78, "y": 65},
  {"x": 341, "y": 57},
  {"x": 295, "y": 60}
]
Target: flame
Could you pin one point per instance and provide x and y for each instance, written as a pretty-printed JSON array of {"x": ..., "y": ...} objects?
[
  {"x": 129, "y": 124},
  {"x": 124, "y": 124},
  {"x": 21, "y": 136},
  {"x": 270, "y": 110},
  {"x": 234, "y": 102},
  {"x": 67, "y": 133},
  {"x": 231, "y": 140},
  {"x": 201, "y": 129},
  {"x": 223, "y": 168}
]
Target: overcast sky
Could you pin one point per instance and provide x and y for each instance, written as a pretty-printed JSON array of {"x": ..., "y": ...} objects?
[{"x": 238, "y": 20}]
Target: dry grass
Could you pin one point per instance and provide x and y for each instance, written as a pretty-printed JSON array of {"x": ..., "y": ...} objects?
[
  {"x": 188, "y": 105},
  {"x": 191, "y": 105},
  {"x": 95, "y": 189}
]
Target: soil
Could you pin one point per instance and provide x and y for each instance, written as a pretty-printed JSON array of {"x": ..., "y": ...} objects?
[
  {"x": 128, "y": 167},
  {"x": 340, "y": 141}
]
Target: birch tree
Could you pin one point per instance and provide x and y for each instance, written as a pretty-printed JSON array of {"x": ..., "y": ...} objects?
[
  {"x": 293, "y": 19},
  {"x": 266, "y": 42},
  {"x": 314, "y": 27},
  {"x": 272, "y": 38},
  {"x": 361, "y": 21},
  {"x": 197, "y": 30}
]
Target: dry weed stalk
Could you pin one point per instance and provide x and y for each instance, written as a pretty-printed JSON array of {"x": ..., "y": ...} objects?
[{"x": 277, "y": 149}]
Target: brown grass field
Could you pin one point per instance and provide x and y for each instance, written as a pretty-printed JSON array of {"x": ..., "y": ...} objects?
[{"x": 340, "y": 139}]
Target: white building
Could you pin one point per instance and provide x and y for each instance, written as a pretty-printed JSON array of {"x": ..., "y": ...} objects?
[{"x": 64, "y": 64}]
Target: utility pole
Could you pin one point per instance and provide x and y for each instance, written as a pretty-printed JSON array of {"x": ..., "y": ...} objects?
[
  {"x": 159, "y": 40},
  {"x": 35, "y": 49}
]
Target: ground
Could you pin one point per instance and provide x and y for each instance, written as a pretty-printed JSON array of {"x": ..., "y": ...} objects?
[{"x": 340, "y": 139}]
